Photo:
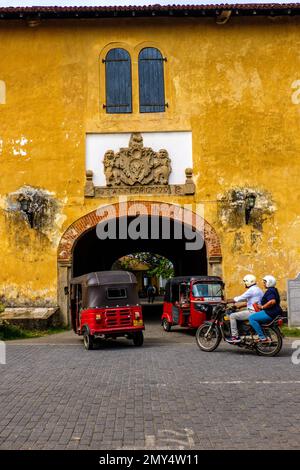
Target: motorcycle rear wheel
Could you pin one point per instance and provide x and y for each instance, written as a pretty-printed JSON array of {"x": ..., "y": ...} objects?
[
  {"x": 265, "y": 349},
  {"x": 210, "y": 342}
]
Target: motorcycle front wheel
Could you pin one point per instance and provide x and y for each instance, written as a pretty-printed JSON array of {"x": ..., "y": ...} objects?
[
  {"x": 208, "y": 337},
  {"x": 274, "y": 347}
]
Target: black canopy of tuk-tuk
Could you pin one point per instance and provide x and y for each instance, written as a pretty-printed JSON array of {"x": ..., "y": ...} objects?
[
  {"x": 179, "y": 279},
  {"x": 101, "y": 278},
  {"x": 171, "y": 293},
  {"x": 107, "y": 289}
]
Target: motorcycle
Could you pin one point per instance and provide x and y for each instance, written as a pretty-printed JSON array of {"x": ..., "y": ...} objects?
[{"x": 211, "y": 332}]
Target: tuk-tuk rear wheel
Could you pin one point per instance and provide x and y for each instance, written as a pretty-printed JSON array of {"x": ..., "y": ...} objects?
[
  {"x": 138, "y": 339},
  {"x": 166, "y": 325},
  {"x": 88, "y": 341}
]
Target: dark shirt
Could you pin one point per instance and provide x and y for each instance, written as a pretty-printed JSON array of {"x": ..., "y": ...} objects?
[{"x": 270, "y": 294}]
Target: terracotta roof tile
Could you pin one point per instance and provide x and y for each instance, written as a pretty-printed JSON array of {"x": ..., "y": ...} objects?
[{"x": 147, "y": 10}]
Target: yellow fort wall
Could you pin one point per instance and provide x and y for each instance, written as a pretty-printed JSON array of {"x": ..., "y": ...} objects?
[{"x": 233, "y": 86}]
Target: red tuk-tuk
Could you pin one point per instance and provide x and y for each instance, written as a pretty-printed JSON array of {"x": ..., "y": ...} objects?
[
  {"x": 187, "y": 300},
  {"x": 105, "y": 304}
]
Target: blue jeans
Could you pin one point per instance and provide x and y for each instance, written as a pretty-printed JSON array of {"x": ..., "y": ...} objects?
[{"x": 259, "y": 317}]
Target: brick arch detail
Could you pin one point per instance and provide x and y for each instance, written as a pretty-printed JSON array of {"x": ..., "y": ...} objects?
[{"x": 133, "y": 208}]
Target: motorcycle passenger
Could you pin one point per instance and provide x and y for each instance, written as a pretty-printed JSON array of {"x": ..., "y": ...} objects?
[
  {"x": 252, "y": 295},
  {"x": 269, "y": 308}
]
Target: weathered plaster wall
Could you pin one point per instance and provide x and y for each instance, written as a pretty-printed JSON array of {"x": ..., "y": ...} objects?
[{"x": 230, "y": 85}]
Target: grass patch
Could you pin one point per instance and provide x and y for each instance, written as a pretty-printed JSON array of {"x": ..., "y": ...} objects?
[
  {"x": 295, "y": 332},
  {"x": 9, "y": 332}
]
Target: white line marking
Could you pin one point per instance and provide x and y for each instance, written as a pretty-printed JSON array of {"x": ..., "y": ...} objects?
[{"x": 238, "y": 382}]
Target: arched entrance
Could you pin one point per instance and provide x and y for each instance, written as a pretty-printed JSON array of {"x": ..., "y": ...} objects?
[{"x": 141, "y": 226}]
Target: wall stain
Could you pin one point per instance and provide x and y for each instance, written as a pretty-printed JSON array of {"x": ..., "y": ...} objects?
[
  {"x": 238, "y": 243},
  {"x": 38, "y": 208},
  {"x": 231, "y": 208}
]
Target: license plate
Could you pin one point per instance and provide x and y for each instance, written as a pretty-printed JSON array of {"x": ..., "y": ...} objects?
[{"x": 138, "y": 323}]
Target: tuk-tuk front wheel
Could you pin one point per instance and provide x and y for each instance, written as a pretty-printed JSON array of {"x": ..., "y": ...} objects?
[
  {"x": 166, "y": 325},
  {"x": 138, "y": 339},
  {"x": 88, "y": 341}
]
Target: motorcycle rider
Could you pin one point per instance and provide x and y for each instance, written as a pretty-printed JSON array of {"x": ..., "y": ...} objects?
[
  {"x": 252, "y": 295},
  {"x": 269, "y": 308}
]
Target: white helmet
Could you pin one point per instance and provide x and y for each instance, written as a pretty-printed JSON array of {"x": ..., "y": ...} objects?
[
  {"x": 249, "y": 280},
  {"x": 270, "y": 281}
]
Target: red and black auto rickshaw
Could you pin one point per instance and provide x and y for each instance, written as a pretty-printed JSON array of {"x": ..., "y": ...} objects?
[
  {"x": 187, "y": 300},
  {"x": 105, "y": 304}
]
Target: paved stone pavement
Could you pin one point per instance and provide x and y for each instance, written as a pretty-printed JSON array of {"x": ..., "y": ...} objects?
[{"x": 167, "y": 394}]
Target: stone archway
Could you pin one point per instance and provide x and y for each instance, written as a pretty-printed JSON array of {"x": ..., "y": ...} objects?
[{"x": 131, "y": 209}]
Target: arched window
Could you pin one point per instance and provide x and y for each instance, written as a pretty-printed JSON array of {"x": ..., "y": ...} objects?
[
  {"x": 118, "y": 81},
  {"x": 151, "y": 81}
]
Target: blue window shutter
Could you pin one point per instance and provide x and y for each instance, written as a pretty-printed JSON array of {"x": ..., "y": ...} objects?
[
  {"x": 118, "y": 81},
  {"x": 151, "y": 81}
]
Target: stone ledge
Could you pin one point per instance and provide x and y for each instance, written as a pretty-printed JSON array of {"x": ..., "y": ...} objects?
[
  {"x": 186, "y": 189},
  {"x": 32, "y": 317},
  {"x": 168, "y": 190}
]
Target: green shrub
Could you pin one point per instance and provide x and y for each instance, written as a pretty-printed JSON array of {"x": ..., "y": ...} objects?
[
  {"x": 8, "y": 331},
  {"x": 295, "y": 332}
]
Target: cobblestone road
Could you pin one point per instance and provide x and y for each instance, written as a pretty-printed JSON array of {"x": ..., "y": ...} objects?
[{"x": 167, "y": 394}]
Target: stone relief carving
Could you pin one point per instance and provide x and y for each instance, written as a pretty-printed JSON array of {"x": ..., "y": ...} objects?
[
  {"x": 138, "y": 170},
  {"x": 136, "y": 165}
]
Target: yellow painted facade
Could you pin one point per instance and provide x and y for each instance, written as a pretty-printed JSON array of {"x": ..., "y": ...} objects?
[{"x": 234, "y": 86}]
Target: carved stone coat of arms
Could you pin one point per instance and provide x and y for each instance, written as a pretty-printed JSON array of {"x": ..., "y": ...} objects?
[{"x": 136, "y": 165}]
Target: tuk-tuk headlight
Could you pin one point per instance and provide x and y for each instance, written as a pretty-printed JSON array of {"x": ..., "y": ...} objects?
[{"x": 202, "y": 308}]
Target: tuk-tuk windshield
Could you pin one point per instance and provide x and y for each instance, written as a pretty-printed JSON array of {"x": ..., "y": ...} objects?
[{"x": 207, "y": 290}]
